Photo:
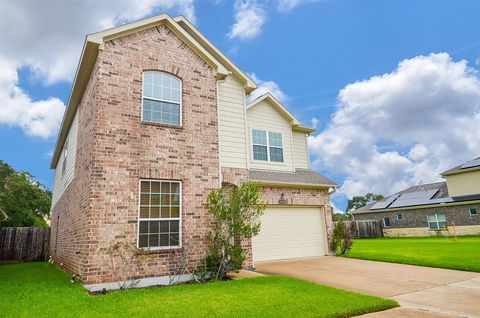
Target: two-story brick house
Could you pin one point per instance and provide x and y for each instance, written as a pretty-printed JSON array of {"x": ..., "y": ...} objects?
[{"x": 156, "y": 119}]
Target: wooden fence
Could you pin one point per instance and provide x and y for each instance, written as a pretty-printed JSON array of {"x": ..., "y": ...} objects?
[
  {"x": 364, "y": 229},
  {"x": 24, "y": 243}
]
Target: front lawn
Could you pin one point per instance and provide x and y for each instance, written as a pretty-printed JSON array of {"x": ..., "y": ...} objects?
[
  {"x": 463, "y": 254},
  {"x": 42, "y": 290}
]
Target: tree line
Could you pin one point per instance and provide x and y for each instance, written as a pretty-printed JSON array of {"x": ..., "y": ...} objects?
[{"x": 23, "y": 199}]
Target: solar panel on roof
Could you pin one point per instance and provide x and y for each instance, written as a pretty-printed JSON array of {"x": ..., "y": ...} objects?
[
  {"x": 384, "y": 204},
  {"x": 414, "y": 198}
]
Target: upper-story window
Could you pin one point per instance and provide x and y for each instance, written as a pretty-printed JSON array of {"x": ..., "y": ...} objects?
[
  {"x": 267, "y": 146},
  {"x": 162, "y": 98}
]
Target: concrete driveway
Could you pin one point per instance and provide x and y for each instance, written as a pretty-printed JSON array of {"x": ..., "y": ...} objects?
[{"x": 421, "y": 291}]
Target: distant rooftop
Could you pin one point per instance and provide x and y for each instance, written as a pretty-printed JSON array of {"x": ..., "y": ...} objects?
[
  {"x": 472, "y": 164},
  {"x": 424, "y": 194}
]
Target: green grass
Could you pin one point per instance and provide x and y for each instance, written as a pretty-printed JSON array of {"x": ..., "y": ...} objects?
[
  {"x": 463, "y": 254},
  {"x": 42, "y": 290}
]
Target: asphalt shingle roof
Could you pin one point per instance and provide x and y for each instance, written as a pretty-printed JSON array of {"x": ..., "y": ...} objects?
[
  {"x": 466, "y": 165},
  {"x": 300, "y": 176}
]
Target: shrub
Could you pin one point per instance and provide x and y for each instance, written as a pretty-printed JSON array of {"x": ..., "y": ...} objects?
[
  {"x": 125, "y": 260},
  {"x": 236, "y": 214},
  {"x": 341, "y": 239}
]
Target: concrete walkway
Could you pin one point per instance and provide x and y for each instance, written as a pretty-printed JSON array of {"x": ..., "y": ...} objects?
[{"x": 421, "y": 291}]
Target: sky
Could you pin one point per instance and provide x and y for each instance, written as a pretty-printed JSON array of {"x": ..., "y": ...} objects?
[{"x": 393, "y": 87}]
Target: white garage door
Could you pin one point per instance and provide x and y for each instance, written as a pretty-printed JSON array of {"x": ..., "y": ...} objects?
[{"x": 290, "y": 233}]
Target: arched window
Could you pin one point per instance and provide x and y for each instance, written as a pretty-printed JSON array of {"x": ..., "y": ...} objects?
[{"x": 162, "y": 98}]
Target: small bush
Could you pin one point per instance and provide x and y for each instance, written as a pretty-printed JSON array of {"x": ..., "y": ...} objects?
[
  {"x": 236, "y": 214},
  {"x": 125, "y": 261},
  {"x": 342, "y": 241}
]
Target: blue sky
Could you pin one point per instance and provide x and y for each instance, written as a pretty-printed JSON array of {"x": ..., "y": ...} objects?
[{"x": 307, "y": 51}]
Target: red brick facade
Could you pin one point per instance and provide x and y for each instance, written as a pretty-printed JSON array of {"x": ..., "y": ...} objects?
[
  {"x": 116, "y": 150},
  {"x": 101, "y": 204}
]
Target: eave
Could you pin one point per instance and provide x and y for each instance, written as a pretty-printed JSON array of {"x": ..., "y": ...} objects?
[
  {"x": 416, "y": 207},
  {"x": 249, "y": 84},
  {"x": 459, "y": 171}
]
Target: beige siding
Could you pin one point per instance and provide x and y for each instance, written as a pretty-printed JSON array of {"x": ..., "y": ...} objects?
[
  {"x": 231, "y": 124},
  {"x": 61, "y": 182},
  {"x": 300, "y": 151},
  {"x": 464, "y": 183},
  {"x": 265, "y": 117}
]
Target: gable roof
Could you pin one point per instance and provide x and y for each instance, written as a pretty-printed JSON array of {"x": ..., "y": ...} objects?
[
  {"x": 424, "y": 195},
  {"x": 250, "y": 85},
  {"x": 471, "y": 165},
  {"x": 271, "y": 100},
  {"x": 95, "y": 42}
]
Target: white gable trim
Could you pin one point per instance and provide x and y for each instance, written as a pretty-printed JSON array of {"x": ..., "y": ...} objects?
[{"x": 275, "y": 103}]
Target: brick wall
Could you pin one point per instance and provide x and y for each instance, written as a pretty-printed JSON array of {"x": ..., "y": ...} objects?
[
  {"x": 125, "y": 150},
  {"x": 71, "y": 234}
]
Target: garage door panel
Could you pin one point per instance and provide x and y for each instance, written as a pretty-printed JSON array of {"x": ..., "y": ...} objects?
[{"x": 290, "y": 233}]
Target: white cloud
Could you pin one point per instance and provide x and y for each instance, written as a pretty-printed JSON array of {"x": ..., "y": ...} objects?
[
  {"x": 426, "y": 112},
  {"x": 265, "y": 87},
  {"x": 249, "y": 19},
  {"x": 335, "y": 208},
  {"x": 36, "y": 118},
  {"x": 47, "y": 37},
  {"x": 315, "y": 122},
  {"x": 289, "y": 5}
]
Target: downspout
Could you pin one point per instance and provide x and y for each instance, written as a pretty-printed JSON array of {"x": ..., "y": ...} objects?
[{"x": 220, "y": 179}]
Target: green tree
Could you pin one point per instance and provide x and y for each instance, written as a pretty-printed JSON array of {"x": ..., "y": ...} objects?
[
  {"x": 341, "y": 216},
  {"x": 23, "y": 198},
  {"x": 236, "y": 214},
  {"x": 359, "y": 201}
]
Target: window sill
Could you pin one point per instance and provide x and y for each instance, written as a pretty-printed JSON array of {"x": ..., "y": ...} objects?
[
  {"x": 269, "y": 162},
  {"x": 151, "y": 123},
  {"x": 161, "y": 250}
]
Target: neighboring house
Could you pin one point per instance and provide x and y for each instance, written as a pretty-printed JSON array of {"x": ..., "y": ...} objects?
[
  {"x": 426, "y": 209},
  {"x": 157, "y": 118}
]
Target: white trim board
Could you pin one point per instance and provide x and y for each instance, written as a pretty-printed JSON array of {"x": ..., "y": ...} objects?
[{"x": 142, "y": 283}]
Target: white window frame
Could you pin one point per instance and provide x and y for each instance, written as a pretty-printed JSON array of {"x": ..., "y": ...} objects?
[
  {"x": 64, "y": 157},
  {"x": 268, "y": 146},
  {"x": 180, "y": 104},
  {"x": 179, "y": 219},
  {"x": 436, "y": 221},
  {"x": 399, "y": 216},
  {"x": 384, "y": 224},
  {"x": 470, "y": 212}
]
